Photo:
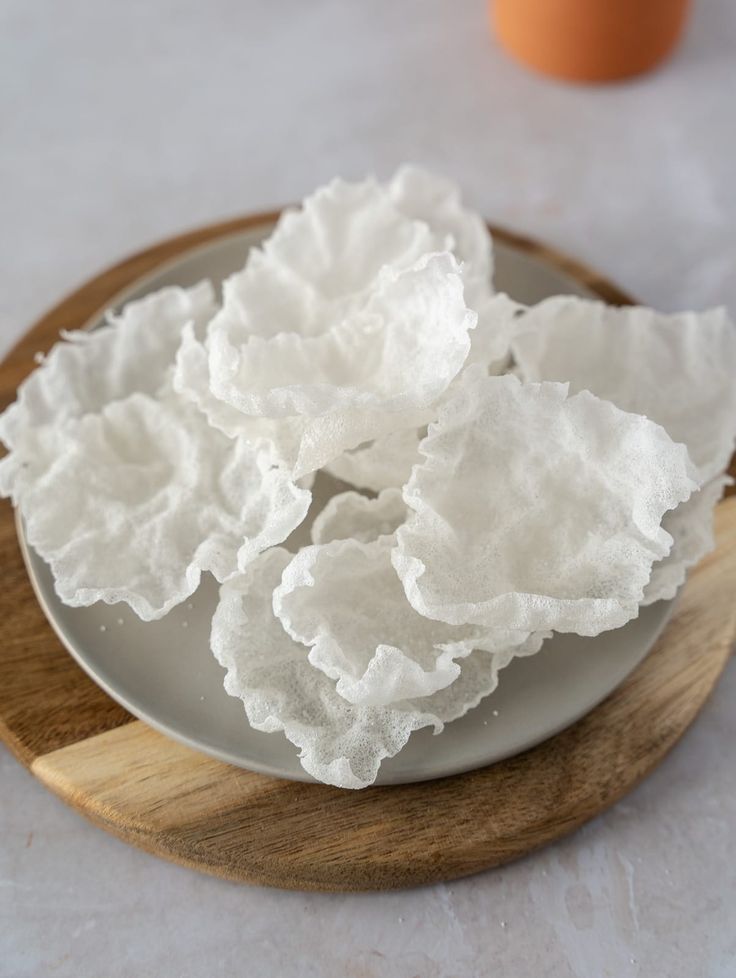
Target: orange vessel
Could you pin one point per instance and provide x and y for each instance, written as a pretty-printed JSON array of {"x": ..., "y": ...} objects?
[{"x": 589, "y": 40}]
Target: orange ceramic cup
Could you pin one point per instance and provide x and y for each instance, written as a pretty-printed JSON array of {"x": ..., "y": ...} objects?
[{"x": 589, "y": 40}]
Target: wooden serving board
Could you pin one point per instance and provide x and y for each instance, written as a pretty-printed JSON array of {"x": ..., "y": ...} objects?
[{"x": 184, "y": 806}]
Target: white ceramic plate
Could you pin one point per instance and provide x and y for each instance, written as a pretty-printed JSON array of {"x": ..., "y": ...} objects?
[{"x": 164, "y": 673}]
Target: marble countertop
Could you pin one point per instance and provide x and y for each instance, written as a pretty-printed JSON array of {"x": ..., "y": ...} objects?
[{"x": 124, "y": 123}]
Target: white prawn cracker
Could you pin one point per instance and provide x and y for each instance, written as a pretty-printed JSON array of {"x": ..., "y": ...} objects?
[
  {"x": 350, "y": 515},
  {"x": 288, "y": 359},
  {"x": 385, "y": 462},
  {"x": 499, "y": 318},
  {"x": 133, "y": 352},
  {"x": 437, "y": 201},
  {"x": 691, "y": 528},
  {"x": 125, "y": 489},
  {"x": 388, "y": 460},
  {"x": 677, "y": 370},
  {"x": 340, "y": 743},
  {"x": 345, "y": 601},
  {"x": 137, "y": 501},
  {"x": 424, "y": 196},
  {"x": 323, "y": 258},
  {"x": 305, "y": 444},
  {"x": 536, "y": 510},
  {"x": 378, "y": 370},
  {"x": 414, "y": 317}
]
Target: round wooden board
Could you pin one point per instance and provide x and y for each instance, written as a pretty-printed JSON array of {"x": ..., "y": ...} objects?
[{"x": 197, "y": 811}]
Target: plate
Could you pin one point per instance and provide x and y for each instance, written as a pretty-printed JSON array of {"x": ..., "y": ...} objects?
[{"x": 164, "y": 673}]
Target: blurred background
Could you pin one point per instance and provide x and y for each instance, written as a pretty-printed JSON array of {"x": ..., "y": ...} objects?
[{"x": 123, "y": 123}]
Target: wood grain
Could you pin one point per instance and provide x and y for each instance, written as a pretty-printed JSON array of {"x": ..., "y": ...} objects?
[{"x": 184, "y": 806}]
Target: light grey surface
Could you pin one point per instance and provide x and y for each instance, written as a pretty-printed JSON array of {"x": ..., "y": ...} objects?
[
  {"x": 122, "y": 123},
  {"x": 164, "y": 673}
]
